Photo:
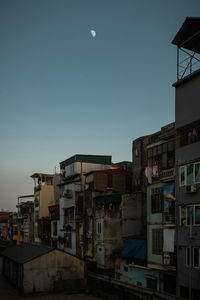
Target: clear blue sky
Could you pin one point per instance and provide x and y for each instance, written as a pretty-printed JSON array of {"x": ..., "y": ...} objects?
[{"x": 63, "y": 92}]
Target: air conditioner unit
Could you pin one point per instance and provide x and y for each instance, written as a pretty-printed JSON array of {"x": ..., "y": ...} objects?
[{"x": 191, "y": 188}]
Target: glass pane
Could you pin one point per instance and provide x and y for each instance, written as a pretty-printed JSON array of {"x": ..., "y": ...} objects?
[
  {"x": 190, "y": 175},
  {"x": 182, "y": 176},
  {"x": 188, "y": 256},
  {"x": 197, "y": 172},
  {"x": 197, "y": 215},
  {"x": 196, "y": 257},
  {"x": 189, "y": 214}
]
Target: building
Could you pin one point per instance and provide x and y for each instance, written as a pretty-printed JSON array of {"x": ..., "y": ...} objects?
[
  {"x": 99, "y": 183},
  {"x": 160, "y": 173},
  {"x": 4, "y": 225},
  {"x": 187, "y": 119},
  {"x": 43, "y": 198},
  {"x": 39, "y": 268},
  {"x": 54, "y": 212},
  {"x": 25, "y": 218},
  {"x": 72, "y": 171}
]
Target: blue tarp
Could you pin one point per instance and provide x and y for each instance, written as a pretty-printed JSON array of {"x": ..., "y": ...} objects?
[{"x": 135, "y": 250}]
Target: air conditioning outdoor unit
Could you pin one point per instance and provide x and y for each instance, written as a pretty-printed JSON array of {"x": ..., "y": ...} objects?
[{"x": 191, "y": 188}]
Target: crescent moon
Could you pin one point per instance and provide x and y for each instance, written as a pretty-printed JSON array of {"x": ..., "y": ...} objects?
[{"x": 93, "y": 33}]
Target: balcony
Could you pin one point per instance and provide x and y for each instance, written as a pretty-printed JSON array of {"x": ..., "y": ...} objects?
[{"x": 168, "y": 174}]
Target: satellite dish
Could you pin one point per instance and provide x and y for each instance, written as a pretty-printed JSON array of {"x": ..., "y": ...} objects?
[{"x": 93, "y": 33}]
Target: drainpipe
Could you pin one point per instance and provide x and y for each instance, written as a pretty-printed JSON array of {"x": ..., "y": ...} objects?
[{"x": 190, "y": 267}]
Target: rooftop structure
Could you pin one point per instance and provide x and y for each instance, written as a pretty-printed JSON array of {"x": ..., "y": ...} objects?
[{"x": 187, "y": 41}]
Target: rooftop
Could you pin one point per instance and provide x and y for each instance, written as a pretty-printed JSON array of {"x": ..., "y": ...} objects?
[
  {"x": 188, "y": 35},
  {"x": 93, "y": 159},
  {"x": 25, "y": 252}
]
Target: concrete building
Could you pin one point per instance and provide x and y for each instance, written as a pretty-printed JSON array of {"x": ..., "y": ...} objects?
[
  {"x": 25, "y": 218},
  {"x": 160, "y": 173},
  {"x": 72, "y": 171},
  {"x": 54, "y": 212},
  {"x": 4, "y": 225},
  {"x": 43, "y": 198},
  {"x": 187, "y": 119},
  {"x": 99, "y": 183}
]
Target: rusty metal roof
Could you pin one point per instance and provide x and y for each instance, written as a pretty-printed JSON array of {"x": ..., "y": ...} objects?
[{"x": 188, "y": 36}]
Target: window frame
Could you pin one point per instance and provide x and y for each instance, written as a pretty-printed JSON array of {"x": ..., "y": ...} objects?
[
  {"x": 196, "y": 267},
  {"x": 185, "y": 174},
  {"x": 193, "y": 214}
]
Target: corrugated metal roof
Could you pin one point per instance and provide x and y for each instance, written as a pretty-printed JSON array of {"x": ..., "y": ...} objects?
[{"x": 25, "y": 252}]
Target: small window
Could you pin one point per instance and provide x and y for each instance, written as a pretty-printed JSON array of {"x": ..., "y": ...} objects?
[
  {"x": 197, "y": 172},
  {"x": 187, "y": 257},
  {"x": 190, "y": 174},
  {"x": 68, "y": 240},
  {"x": 190, "y": 215},
  {"x": 182, "y": 175},
  {"x": 157, "y": 241},
  {"x": 99, "y": 228},
  {"x": 136, "y": 152},
  {"x": 196, "y": 257},
  {"x": 197, "y": 215}
]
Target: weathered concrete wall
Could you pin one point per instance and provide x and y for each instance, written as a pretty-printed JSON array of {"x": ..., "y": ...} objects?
[
  {"x": 41, "y": 273},
  {"x": 187, "y": 109},
  {"x": 133, "y": 214}
]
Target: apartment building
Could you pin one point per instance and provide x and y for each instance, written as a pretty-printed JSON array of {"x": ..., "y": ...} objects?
[{"x": 187, "y": 119}]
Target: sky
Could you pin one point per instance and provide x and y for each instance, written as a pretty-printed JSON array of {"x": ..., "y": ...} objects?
[{"x": 64, "y": 92}]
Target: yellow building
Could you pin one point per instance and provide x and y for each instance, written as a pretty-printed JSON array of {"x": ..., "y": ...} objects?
[{"x": 43, "y": 198}]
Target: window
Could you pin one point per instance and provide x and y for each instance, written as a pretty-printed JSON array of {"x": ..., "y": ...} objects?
[
  {"x": 157, "y": 200},
  {"x": 136, "y": 152},
  {"x": 189, "y": 174},
  {"x": 187, "y": 257},
  {"x": 157, "y": 241},
  {"x": 68, "y": 240},
  {"x": 99, "y": 228},
  {"x": 69, "y": 215},
  {"x": 196, "y": 257},
  {"x": 193, "y": 212},
  {"x": 182, "y": 176},
  {"x": 197, "y": 172}
]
